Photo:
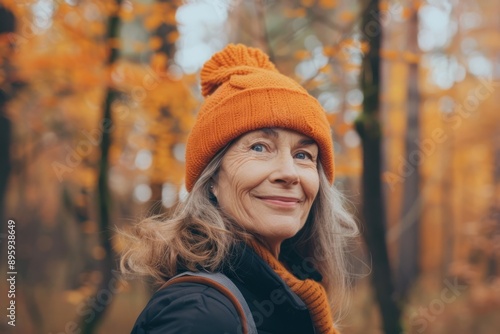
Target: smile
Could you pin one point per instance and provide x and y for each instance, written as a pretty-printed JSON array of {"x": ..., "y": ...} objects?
[{"x": 282, "y": 202}]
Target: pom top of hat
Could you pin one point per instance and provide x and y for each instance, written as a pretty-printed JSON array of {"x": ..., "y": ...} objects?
[{"x": 233, "y": 59}]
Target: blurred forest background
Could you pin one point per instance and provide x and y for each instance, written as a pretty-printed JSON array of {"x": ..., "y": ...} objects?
[{"x": 97, "y": 98}]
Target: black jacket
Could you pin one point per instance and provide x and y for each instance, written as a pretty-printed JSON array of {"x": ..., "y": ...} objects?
[{"x": 192, "y": 308}]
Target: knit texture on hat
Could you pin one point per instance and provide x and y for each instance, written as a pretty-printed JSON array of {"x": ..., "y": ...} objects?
[
  {"x": 311, "y": 292},
  {"x": 244, "y": 92}
]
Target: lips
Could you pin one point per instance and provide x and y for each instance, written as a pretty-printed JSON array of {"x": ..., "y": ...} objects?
[
  {"x": 280, "y": 201},
  {"x": 280, "y": 198}
]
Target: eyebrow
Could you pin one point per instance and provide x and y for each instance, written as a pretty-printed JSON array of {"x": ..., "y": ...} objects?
[
  {"x": 307, "y": 142},
  {"x": 272, "y": 133}
]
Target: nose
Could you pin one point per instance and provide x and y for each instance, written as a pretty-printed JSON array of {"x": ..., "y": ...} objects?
[{"x": 285, "y": 170}]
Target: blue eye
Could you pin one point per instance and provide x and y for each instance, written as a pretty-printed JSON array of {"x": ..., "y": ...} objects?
[
  {"x": 258, "y": 147},
  {"x": 303, "y": 156}
]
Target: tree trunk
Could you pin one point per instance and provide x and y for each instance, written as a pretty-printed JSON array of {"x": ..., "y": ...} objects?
[
  {"x": 409, "y": 238},
  {"x": 369, "y": 130},
  {"x": 107, "y": 288}
]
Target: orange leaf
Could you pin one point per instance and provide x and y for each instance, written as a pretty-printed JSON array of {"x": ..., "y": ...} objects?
[
  {"x": 292, "y": 13},
  {"x": 328, "y": 3},
  {"x": 325, "y": 69},
  {"x": 155, "y": 42},
  {"x": 346, "y": 16},
  {"x": 349, "y": 42},
  {"x": 365, "y": 47},
  {"x": 301, "y": 54},
  {"x": 96, "y": 28},
  {"x": 351, "y": 67},
  {"x": 114, "y": 43},
  {"x": 173, "y": 36},
  {"x": 159, "y": 61},
  {"x": 139, "y": 46},
  {"x": 140, "y": 9},
  {"x": 307, "y": 3},
  {"x": 329, "y": 51},
  {"x": 407, "y": 13},
  {"x": 410, "y": 57},
  {"x": 170, "y": 18},
  {"x": 331, "y": 118},
  {"x": 110, "y": 8},
  {"x": 417, "y": 4},
  {"x": 343, "y": 128},
  {"x": 74, "y": 297},
  {"x": 384, "y": 5},
  {"x": 389, "y": 54},
  {"x": 126, "y": 15},
  {"x": 152, "y": 22}
]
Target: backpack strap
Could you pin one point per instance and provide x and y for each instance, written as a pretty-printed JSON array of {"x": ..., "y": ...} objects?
[{"x": 225, "y": 286}]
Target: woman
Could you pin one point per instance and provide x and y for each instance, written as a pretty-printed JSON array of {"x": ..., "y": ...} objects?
[{"x": 261, "y": 210}]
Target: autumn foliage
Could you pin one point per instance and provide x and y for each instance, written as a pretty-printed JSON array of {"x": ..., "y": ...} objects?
[{"x": 55, "y": 78}]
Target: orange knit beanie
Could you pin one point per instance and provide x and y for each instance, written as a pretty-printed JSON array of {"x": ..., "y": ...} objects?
[{"x": 243, "y": 92}]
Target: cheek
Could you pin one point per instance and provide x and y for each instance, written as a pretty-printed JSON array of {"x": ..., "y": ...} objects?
[
  {"x": 232, "y": 189},
  {"x": 245, "y": 174},
  {"x": 311, "y": 184}
]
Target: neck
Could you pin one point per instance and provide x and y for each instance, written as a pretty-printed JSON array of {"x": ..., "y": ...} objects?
[
  {"x": 273, "y": 247},
  {"x": 276, "y": 251}
]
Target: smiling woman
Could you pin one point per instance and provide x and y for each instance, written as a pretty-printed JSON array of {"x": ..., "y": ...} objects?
[{"x": 260, "y": 240}]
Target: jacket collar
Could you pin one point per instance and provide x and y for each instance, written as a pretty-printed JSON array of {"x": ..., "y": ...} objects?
[{"x": 251, "y": 270}]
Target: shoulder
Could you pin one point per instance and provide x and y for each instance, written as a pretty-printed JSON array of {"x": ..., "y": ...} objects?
[{"x": 188, "y": 308}]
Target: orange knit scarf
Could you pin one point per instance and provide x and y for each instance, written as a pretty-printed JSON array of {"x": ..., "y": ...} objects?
[{"x": 311, "y": 292}]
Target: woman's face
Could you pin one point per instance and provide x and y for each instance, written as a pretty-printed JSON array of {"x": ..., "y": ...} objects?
[{"x": 268, "y": 181}]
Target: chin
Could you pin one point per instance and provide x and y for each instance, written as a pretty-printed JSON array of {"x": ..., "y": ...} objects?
[{"x": 284, "y": 229}]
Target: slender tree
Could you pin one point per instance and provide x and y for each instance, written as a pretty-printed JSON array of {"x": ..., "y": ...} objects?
[
  {"x": 373, "y": 213},
  {"x": 104, "y": 198},
  {"x": 164, "y": 118},
  {"x": 409, "y": 236}
]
